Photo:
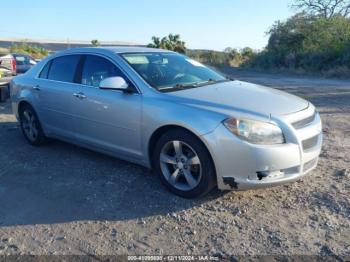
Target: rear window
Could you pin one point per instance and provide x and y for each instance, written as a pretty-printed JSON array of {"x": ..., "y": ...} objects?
[
  {"x": 22, "y": 60},
  {"x": 63, "y": 68}
]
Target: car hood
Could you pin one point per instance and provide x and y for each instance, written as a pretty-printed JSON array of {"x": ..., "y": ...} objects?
[{"x": 242, "y": 97}]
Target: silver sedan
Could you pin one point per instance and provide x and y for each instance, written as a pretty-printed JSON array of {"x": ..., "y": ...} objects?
[{"x": 196, "y": 128}]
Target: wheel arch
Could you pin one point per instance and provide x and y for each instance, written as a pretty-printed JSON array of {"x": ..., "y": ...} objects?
[
  {"x": 28, "y": 103},
  {"x": 166, "y": 128},
  {"x": 21, "y": 104}
]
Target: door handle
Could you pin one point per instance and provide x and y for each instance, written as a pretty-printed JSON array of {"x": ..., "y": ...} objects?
[
  {"x": 37, "y": 88},
  {"x": 79, "y": 95}
]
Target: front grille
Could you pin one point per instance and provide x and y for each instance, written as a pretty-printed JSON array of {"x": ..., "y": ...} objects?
[
  {"x": 310, "y": 143},
  {"x": 304, "y": 122}
]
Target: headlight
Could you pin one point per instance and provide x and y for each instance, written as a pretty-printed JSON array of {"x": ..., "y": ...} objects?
[{"x": 255, "y": 132}]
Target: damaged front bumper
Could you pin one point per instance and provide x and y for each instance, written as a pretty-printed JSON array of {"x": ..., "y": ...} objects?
[{"x": 242, "y": 166}]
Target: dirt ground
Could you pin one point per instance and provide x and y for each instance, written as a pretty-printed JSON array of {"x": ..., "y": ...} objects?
[{"x": 61, "y": 199}]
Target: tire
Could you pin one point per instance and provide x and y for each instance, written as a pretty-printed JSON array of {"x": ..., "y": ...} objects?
[
  {"x": 190, "y": 174},
  {"x": 30, "y": 126}
]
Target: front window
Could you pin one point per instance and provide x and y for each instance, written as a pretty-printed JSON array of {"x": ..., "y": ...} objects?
[
  {"x": 171, "y": 72},
  {"x": 96, "y": 69}
]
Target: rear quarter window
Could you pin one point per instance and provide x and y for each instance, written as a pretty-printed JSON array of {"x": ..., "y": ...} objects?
[{"x": 63, "y": 68}]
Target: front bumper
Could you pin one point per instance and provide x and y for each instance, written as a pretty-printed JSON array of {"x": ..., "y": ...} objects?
[{"x": 239, "y": 164}]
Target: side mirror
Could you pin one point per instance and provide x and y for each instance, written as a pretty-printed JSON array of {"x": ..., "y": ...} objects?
[{"x": 115, "y": 83}]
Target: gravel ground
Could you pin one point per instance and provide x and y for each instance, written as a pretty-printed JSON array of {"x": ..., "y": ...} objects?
[{"x": 62, "y": 199}]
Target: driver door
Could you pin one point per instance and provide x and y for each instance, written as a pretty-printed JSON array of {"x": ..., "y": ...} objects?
[{"x": 107, "y": 119}]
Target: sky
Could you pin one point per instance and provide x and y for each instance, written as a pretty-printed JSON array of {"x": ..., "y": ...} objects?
[{"x": 202, "y": 24}]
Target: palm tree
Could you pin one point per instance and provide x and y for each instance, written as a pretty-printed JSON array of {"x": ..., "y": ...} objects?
[{"x": 95, "y": 42}]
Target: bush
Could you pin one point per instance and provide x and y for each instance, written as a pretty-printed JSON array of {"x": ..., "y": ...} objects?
[
  {"x": 340, "y": 71},
  {"x": 311, "y": 43},
  {"x": 230, "y": 57},
  {"x": 4, "y": 51},
  {"x": 213, "y": 58},
  {"x": 34, "y": 51}
]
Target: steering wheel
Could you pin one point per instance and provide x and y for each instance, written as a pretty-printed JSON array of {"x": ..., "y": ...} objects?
[
  {"x": 179, "y": 75},
  {"x": 156, "y": 73}
]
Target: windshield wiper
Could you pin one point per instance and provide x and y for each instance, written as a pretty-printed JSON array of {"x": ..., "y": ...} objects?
[
  {"x": 212, "y": 81},
  {"x": 184, "y": 86},
  {"x": 177, "y": 87},
  {"x": 199, "y": 84},
  {"x": 193, "y": 85}
]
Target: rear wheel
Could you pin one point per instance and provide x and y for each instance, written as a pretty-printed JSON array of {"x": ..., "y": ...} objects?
[
  {"x": 184, "y": 164},
  {"x": 30, "y": 126}
]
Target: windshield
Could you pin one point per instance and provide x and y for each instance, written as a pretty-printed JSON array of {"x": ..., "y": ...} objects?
[{"x": 171, "y": 72}]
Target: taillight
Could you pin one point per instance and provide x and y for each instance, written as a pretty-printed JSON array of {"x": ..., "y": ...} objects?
[{"x": 14, "y": 65}]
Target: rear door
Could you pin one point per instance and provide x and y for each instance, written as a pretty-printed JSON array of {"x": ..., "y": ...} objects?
[
  {"x": 56, "y": 89},
  {"x": 107, "y": 119}
]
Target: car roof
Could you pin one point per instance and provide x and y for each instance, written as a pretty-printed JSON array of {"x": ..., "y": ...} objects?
[
  {"x": 115, "y": 49},
  {"x": 133, "y": 49}
]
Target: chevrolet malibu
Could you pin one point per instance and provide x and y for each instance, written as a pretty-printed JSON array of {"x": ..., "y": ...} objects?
[{"x": 196, "y": 128}]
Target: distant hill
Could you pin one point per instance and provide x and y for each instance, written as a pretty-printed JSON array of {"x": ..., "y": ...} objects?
[{"x": 58, "y": 45}]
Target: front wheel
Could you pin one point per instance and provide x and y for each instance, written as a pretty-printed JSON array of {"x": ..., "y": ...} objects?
[{"x": 184, "y": 164}]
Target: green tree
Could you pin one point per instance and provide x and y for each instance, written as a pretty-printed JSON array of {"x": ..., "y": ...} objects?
[
  {"x": 307, "y": 42},
  {"x": 324, "y": 8},
  {"x": 234, "y": 58},
  {"x": 170, "y": 42},
  {"x": 247, "y": 52},
  {"x": 228, "y": 50}
]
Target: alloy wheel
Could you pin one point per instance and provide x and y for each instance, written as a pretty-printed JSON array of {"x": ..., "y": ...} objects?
[
  {"x": 30, "y": 125},
  {"x": 180, "y": 165}
]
